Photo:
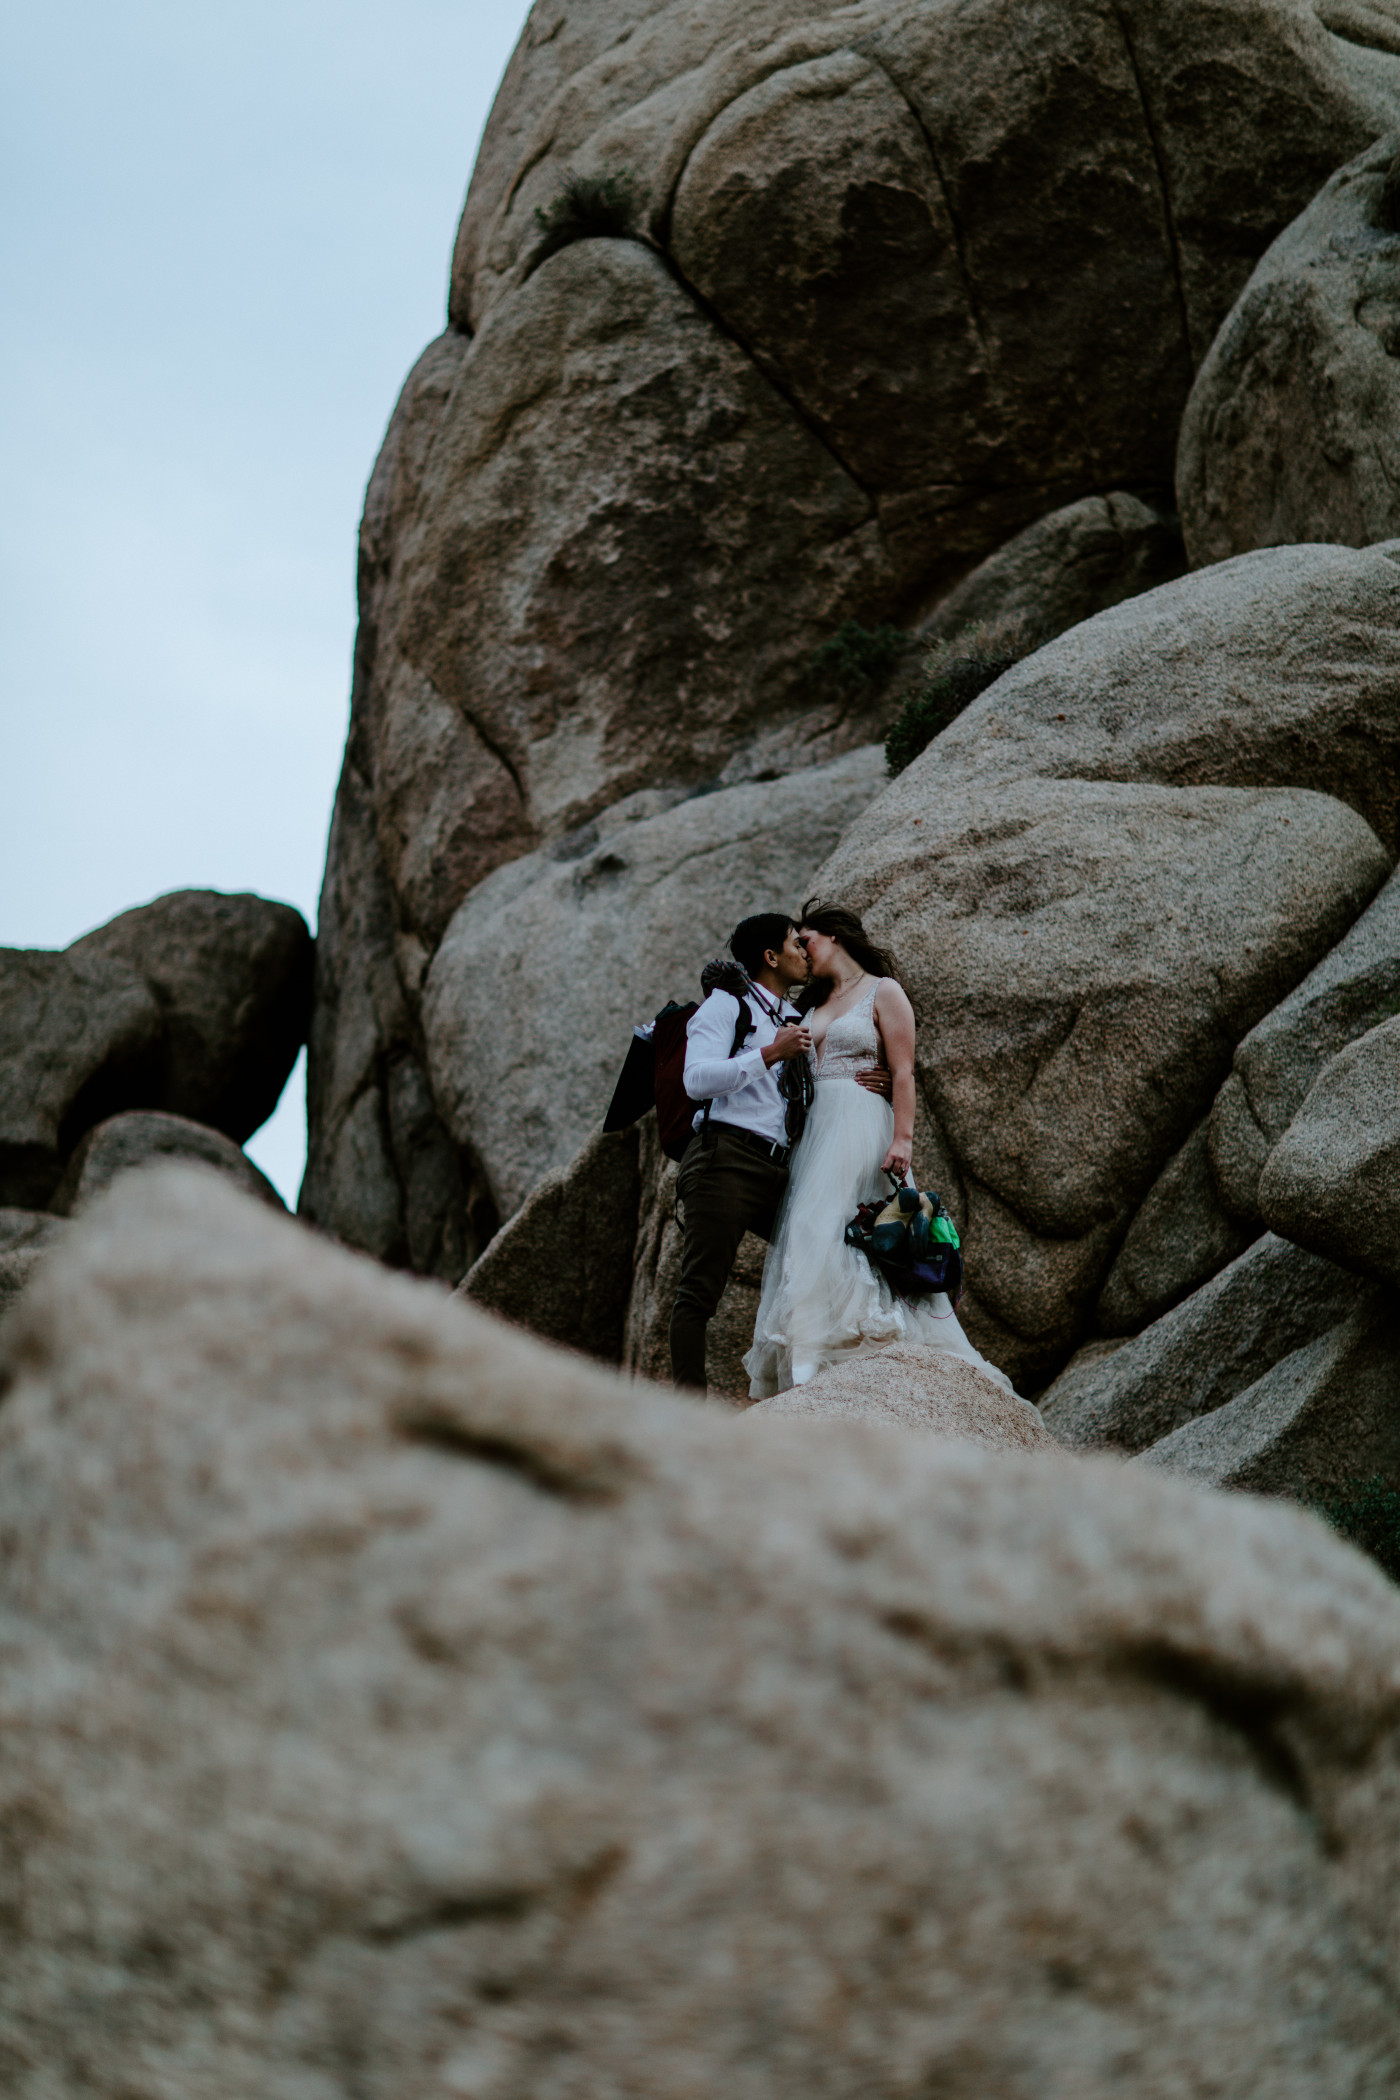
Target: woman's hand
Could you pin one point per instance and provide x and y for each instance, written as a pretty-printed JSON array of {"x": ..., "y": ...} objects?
[{"x": 900, "y": 1157}]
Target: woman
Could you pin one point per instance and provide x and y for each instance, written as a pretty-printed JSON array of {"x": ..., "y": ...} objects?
[{"x": 823, "y": 1301}]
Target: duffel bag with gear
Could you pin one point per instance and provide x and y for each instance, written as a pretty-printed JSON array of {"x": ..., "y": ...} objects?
[{"x": 912, "y": 1241}]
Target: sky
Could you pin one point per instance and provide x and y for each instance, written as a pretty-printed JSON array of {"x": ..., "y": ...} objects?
[{"x": 225, "y": 239}]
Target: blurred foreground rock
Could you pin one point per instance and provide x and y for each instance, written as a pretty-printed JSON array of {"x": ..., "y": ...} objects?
[
  {"x": 393, "y": 1704},
  {"x": 26, "y": 1236}
]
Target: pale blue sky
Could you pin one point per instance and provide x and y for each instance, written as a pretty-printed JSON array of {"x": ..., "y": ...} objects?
[{"x": 226, "y": 238}]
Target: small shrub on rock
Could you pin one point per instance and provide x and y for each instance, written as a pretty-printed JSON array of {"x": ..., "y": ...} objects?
[
  {"x": 955, "y": 672},
  {"x": 1368, "y": 1516},
  {"x": 587, "y": 207},
  {"x": 856, "y": 659}
]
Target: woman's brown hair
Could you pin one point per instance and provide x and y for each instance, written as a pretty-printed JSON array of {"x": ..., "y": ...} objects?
[{"x": 841, "y": 925}]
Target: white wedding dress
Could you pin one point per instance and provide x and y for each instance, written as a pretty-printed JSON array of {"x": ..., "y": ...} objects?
[{"x": 823, "y": 1301}]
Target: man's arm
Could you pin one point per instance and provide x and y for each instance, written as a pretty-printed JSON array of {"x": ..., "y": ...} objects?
[{"x": 709, "y": 1068}]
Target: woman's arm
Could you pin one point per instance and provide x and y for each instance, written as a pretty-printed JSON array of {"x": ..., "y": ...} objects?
[{"x": 894, "y": 1017}]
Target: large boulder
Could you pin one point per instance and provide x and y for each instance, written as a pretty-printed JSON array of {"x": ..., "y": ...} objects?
[
  {"x": 1271, "y": 1302},
  {"x": 1318, "y": 1427},
  {"x": 1351, "y": 991},
  {"x": 1287, "y": 435},
  {"x": 549, "y": 964},
  {"x": 1103, "y": 875},
  {"x": 80, "y": 1035},
  {"x": 1332, "y": 1183},
  {"x": 390, "y": 1700},
  {"x": 771, "y": 365},
  {"x": 142, "y": 1137},
  {"x": 908, "y": 1386},
  {"x": 195, "y": 1005},
  {"x": 232, "y": 976},
  {"x": 1065, "y": 568}
]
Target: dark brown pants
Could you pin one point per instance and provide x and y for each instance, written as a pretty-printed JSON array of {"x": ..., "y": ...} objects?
[{"x": 725, "y": 1190}]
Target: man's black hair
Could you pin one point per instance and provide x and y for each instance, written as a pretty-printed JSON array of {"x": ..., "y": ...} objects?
[{"x": 752, "y": 938}]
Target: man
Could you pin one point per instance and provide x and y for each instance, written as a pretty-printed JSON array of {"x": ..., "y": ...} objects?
[{"x": 735, "y": 1169}]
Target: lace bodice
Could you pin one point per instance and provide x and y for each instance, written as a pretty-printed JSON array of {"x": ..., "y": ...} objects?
[{"x": 852, "y": 1042}]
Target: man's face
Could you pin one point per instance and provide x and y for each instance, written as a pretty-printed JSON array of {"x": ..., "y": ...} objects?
[{"x": 790, "y": 961}]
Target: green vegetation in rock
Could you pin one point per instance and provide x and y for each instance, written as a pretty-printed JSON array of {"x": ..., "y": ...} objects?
[
  {"x": 855, "y": 660},
  {"x": 955, "y": 672},
  {"x": 586, "y": 207},
  {"x": 1368, "y": 1516}
]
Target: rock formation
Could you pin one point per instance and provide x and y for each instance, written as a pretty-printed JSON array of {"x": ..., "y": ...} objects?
[
  {"x": 1181, "y": 1236},
  {"x": 394, "y": 1704},
  {"x": 1065, "y": 568},
  {"x": 1320, "y": 1422},
  {"x": 78, "y": 1037},
  {"x": 1332, "y": 1182},
  {"x": 1271, "y": 1303},
  {"x": 1104, "y": 874},
  {"x": 1355, "y": 988},
  {"x": 761, "y": 321},
  {"x": 170, "y": 1031},
  {"x": 1288, "y": 434}
]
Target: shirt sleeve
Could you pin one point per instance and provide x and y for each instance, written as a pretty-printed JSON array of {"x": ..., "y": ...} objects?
[{"x": 709, "y": 1069}]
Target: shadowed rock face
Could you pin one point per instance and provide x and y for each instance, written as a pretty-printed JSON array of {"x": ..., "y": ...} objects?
[
  {"x": 898, "y": 283},
  {"x": 1332, "y": 1183},
  {"x": 395, "y": 1705},
  {"x": 1289, "y": 432}
]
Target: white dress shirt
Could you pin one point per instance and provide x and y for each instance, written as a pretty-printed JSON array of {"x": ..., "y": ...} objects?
[{"x": 741, "y": 1090}]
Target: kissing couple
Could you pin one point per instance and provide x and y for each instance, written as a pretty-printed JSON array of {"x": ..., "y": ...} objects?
[{"x": 795, "y": 1128}]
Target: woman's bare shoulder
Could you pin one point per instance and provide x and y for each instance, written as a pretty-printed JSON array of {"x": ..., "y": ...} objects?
[{"x": 890, "y": 992}]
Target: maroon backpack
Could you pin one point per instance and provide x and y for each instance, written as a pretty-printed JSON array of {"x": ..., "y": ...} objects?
[{"x": 654, "y": 1072}]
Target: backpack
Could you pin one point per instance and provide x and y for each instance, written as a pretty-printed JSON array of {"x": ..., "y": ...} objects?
[
  {"x": 653, "y": 1073},
  {"x": 912, "y": 1241}
]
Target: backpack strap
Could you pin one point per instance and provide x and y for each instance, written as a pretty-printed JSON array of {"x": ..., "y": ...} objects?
[{"x": 721, "y": 975}]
